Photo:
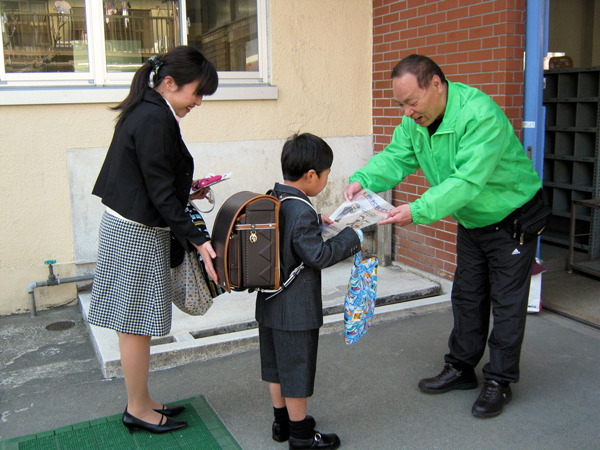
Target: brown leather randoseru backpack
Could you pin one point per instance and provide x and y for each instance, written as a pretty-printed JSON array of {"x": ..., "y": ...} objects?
[{"x": 246, "y": 239}]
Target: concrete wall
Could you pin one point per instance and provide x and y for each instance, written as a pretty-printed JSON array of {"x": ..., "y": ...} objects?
[{"x": 321, "y": 63}]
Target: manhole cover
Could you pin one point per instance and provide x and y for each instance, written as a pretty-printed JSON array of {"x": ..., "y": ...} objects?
[{"x": 59, "y": 326}]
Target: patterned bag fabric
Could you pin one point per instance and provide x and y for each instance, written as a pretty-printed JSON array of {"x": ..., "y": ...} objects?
[
  {"x": 193, "y": 289},
  {"x": 359, "y": 303}
]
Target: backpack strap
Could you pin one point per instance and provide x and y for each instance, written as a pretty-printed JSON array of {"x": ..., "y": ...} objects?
[{"x": 298, "y": 269}]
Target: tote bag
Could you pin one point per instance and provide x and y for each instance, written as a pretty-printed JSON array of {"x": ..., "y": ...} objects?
[
  {"x": 359, "y": 303},
  {"x": 193, "y": 289}
]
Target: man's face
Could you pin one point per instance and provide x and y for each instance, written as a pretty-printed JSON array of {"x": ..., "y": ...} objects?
[{"x": 424, "y": 106}]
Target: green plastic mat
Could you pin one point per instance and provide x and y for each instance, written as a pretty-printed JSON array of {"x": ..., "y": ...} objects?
[{"x": 205, "y": 431}]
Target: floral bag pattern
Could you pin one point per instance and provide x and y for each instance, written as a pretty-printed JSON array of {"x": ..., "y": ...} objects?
[{"x": 359, "y": 303}]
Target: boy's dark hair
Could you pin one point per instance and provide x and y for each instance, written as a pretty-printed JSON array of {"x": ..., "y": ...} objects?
[
  {"x": 422, "y": 67},
  {"x": 303, "y": 152}
]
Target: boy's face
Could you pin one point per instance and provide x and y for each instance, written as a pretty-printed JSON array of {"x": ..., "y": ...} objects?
[{"x": 317, "y": 183}]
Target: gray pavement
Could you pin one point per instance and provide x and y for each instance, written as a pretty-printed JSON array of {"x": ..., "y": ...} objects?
[{"x": 366, "y": 392}]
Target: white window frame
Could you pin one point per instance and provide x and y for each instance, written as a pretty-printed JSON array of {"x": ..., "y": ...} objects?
[{"x": 99, "y": 86}]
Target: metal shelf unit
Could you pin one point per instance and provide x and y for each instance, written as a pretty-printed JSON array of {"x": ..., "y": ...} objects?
[{"x": 571, "y": 156}]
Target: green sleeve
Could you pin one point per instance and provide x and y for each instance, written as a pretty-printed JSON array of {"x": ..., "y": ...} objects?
[
  {"x": 388, "y": 168},
  {"x": 478, "y": 154}
]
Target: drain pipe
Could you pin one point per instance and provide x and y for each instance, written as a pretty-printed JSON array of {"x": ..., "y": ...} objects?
[{"x": 51, "y": 281}]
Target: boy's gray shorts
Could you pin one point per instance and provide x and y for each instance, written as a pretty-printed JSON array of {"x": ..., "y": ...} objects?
[{"x": 290, "y": 359}]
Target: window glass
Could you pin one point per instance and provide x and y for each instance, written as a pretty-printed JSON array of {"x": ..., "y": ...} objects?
[
  {"x": 44, "y": 36},
  {"x": 137, "y": 29},
  {"x": 226, "y": 32}
]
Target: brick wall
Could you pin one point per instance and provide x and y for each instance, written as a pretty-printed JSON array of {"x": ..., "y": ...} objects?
[{"x": 480, "y": 43}]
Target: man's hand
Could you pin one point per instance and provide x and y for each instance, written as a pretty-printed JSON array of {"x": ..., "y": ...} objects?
[
  {"x": 400, "y": 216},
  {"x": 351, "y": 190},
  {"x": 208, "y": 253}
]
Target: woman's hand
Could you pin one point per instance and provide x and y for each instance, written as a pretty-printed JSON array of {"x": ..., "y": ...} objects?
[
  {"x": 199, "y": 195},
  {"x": 208, "y": 254}
]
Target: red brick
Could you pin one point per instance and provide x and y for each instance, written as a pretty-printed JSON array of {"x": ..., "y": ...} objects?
[
  {"x": 391, "y": 18},
  {"x": 490, "y": 42},
  {"x": 490, "y": 19},
  {"x": 400, "y": 45},
  {"x": 482, "y": 8},
  {"x": 457, "y": 58},
  {"x": 444, "y": 236},
  {"x": 468, "y": 46},
  {"x": 445, "y": 256},
  {"x": 436, "y": 18},
  {"x": 480, "y": 78},
  {"x": 408, "y": 14},
  {"x": 380, "y": 11},
  {"x": 409, "y": 33},
  {"x": 383, "y": 29},
  {"x": 428, "y": 9},
  {"x": 481, "y": 32},
  {"x": 398, "y": 6},
  {"x": 470, "y": 22},
  {"x": 479, "y": 55},
  {"x": 458, "y": 13},
  {"x": 427, "y": 30},
  {"x": 436, "y": 39},
  {"x": 399, "y": 25},
  {"x": 449, "y": 25},
  {"x": 381, "y": 48},
  {"x": 457, "y": 36},
  {"x": 415, "y": 3},
  {"x": 416, "y": 22},
  {"x": 446, "y": 5},
  {"x": 445, "y": 49}
]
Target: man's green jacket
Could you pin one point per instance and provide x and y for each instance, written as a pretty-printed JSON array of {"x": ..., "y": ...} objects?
[{"x": 474, "y": 163}]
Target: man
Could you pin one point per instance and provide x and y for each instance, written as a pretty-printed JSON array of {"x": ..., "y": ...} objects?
[{"x": 480, "y": 175}]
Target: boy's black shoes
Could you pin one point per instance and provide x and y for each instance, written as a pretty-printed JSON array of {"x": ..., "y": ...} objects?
[
  {"x": 331, "y": 441},
  {"x": 281, "y": 431},
  {"x": 448, "y": 379},
  {"x": 491, "y": 400}
]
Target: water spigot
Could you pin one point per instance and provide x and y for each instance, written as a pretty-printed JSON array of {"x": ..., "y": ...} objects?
[{"x": 51, "y": 277}]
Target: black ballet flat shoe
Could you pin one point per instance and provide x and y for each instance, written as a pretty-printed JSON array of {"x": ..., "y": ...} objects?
[
  {"x": 171, "y": 411},
  {"x": 281, "y": 431},
  {"x": 165, "y": 425}
]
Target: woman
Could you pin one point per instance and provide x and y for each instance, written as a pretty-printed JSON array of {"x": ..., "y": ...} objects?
[{"x": 145, "y": 184}]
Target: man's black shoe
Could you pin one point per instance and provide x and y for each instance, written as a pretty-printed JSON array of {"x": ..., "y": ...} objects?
[
  {"x": 491, "y": 400},
  {"x": 330, "y": 441},
  {"x": 448, "y": 379}
]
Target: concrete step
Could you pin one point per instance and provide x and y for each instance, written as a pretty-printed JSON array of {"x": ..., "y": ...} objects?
[{"x": 229, "y": 326}]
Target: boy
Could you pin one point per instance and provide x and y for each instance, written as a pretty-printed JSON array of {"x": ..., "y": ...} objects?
[{"x": 289, "y": 322}]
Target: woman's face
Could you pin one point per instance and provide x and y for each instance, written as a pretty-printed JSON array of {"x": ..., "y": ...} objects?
[{"x": 182, "y": 98}]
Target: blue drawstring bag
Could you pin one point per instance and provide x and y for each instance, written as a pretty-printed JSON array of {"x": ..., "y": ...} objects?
[{"x": 359, "y": 303}]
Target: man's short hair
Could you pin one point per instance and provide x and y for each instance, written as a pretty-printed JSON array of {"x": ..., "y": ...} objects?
[
  {"x": 303, "y": 152},
  {"x": 422, "y": 67}
]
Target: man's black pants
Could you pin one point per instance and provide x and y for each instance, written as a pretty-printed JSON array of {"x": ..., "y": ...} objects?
[{"x": 493, "y": 273}]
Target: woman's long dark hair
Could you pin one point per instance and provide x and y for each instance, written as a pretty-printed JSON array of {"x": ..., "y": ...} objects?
[{"x": 184, "y": 64}]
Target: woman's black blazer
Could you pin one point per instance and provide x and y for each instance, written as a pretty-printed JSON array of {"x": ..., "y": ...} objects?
[{"x": 147, "y": 173}]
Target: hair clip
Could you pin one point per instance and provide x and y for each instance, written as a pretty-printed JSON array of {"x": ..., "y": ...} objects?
[{"x": 156, "y": 64}]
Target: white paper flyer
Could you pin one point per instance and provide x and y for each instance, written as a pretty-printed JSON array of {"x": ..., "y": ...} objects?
[{"x": 365, "y": 209}]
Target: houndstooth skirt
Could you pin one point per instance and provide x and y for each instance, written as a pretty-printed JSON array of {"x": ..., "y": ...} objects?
[{"x": 132, "y": 288}]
